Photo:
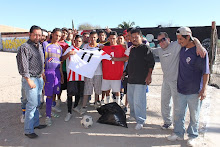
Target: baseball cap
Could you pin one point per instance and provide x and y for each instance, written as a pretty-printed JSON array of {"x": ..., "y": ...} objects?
[
  {"x": 125, "y": 32},
  {"x": 184, "y": 31}
]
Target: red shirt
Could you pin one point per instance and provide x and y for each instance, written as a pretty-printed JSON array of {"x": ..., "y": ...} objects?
[
  {"x": 113, "y": 70},
  {"x": 64, "y": 45}
]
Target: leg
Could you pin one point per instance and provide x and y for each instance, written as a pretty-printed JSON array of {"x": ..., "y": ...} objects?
[{"x": 130, "y": 94}]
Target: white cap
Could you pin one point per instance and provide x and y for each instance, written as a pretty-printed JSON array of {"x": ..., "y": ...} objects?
[{"x": 184, "y": 31}]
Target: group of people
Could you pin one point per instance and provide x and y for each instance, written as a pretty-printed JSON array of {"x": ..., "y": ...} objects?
[{"x": 102, "y": 62}]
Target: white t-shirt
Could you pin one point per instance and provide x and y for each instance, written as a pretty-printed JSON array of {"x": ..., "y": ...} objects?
[
  {"x": 99, "y": 68},
  {"x": 85, "y": 62},
  {"x": 71, "y": 75}
]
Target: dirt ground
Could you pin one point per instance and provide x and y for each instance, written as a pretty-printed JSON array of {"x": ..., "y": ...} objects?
[{"x": 99, "y": 135}]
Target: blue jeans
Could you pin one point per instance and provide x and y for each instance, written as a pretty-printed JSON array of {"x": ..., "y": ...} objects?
[
  {"x": 33, "y": 101},
  {"x": 137, "y": 100},
  {"x": 182, "y": 102},
  {"x": 168, "y": 97},
  {"x": 23, "y": 97}
]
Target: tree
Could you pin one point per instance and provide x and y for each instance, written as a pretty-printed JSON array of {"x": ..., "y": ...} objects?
[
  {"x": 126, "y": 25},
  {"x": 87, "y": 26}
]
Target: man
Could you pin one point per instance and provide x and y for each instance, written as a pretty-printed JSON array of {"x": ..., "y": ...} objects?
[
  {"x": 85, "y": 38},
  {"x": 53, "y": 71},
  {"x": 113, "y": 70},
  {"x": 169, "y": 59},
  {"x": 75, "y": 82},
  {"x": 44, "y": 36},
  {"x": 102, "y": 38},
  {"x": 30, "y": 60},
  {"x": 139, "y": 70},
  {"x": 191, "y": 86}
]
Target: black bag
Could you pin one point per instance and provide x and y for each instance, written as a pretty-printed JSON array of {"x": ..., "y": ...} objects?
[{"x": 112, "y": 114}]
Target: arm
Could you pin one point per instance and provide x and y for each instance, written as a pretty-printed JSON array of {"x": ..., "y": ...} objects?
[
  {"x": 67, "y": 55},
  {"x": 148, "y": 80},
  {"x": 61, "y": 73},
  {"x": 200, "y": 50},
  {"x": 125, "y": 58},
  {"x": 202, "y": 93}
]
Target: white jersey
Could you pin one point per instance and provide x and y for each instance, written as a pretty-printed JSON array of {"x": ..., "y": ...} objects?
[
  {"x": 99, "y": 68},
  {"x": 85, "y": 62},
  {"x": 71, "y": 75}
]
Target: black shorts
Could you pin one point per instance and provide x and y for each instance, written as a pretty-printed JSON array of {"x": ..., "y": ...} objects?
[
  {"x": 124, "y": 83},
  {"x": 64, "y": 85},
  {"x": 75, "y": 88}
]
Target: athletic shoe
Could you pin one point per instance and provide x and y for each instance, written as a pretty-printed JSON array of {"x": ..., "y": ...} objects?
[
  {"x": 58, "y": 103},
  {"x": 57, "y": 109},
  {"x": 76, "y": 109},
  {"x": 138, "y": 126},
  {"x": 31, "y": 136},
  {"x": 22, "y": 118},
  {"x": 98, "y": 103},
  {"x": 68, "y": 116},
  {"x": 48, "y": 121},
  {"x": 131, "y": 118},
  {"x": 102, "y": 102},
  {"x": 40, "y": 127},
  {"x": 191, "y": 142},
  {"x": 83, "y": 111},
  {"x": 166, "y": 126},
  {"x": 174, "y": 137}
]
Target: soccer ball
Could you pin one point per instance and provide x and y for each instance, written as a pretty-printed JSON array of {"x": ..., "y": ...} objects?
[{"x": 86, "y": 121}]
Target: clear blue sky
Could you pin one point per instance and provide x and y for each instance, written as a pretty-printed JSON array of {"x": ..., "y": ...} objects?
[{"x": 49, "y": 14}]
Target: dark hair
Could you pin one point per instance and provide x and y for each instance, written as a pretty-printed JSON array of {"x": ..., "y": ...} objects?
[
  {"x": 78, "y": 36},
  {"x": 85, "y": 33},
  {"x": 64, "y": 29},
  {"x": 101, "y": 31},
  {"x": 43, "y": 30},
  {"x": 129, "y": 29},
  {"x": 113, "y": 33},
  {"x": 163, "y": 33},
  {"x": 93, "y": 32},
  {"x": 120, "y": 34},
  {"x": 136, "y": 30},
  {"x": 56, "y": 29},
  {"x": 70, "y": 29},
  {"x": 34, "y": 27}
]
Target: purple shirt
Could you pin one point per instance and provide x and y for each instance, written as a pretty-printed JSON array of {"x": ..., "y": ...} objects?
[
  {"x": 52, "y": 54},
  {"x": 191, "y": 71}
]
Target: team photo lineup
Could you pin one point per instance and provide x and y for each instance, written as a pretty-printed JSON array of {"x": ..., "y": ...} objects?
[{"x": 116, "y": 68}]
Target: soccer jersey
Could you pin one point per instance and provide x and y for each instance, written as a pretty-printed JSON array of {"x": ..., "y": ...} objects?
[
  {"x": 85, "y": 61},
  {"x": 64, "y": 46},
  {"x": 71, "y": 75},
  {"x": 113, "y": 70},
  {"x": 52, "y": 54}
]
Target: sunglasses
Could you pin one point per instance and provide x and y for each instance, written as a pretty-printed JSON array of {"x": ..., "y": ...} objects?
[{"x": 161, "y": 40}]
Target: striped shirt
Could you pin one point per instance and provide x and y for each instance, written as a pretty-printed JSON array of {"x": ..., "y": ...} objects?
[{"x": 30, "y": 59}]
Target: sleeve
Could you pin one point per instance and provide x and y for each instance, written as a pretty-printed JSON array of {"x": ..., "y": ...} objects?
[
  {"x": 22, "y": 62},
  {"x": 127, "y": 51},
  {"x": 150, "y": 58},
  {"x": 205, "y": 69}
]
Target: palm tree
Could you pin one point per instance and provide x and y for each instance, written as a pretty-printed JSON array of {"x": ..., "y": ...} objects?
[{"x": 126, "y": 25}]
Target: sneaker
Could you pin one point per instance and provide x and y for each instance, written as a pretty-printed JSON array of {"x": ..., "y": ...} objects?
[
  {"x": 131, "y": 118},
  {"x": 57, "y": 109},
  {"x": 138, "y": 126},
  {"x": 68, "y": 116},
  {"x": 58, "y": 103},
  {"x": 191, "y": 142},
  {"x": 83, "y": 111},
  {"x": 31, "y": 136},
  {"x": 48, "y": 121},
  {"x": 174, "y": 137},
  {"x": 76, "y": 109},
  {"x": 166, "y": 126},
  {"x": 102, "y": 102},
  {"x": 22, "y": 118},
  {"x": 98, "y": 103}
]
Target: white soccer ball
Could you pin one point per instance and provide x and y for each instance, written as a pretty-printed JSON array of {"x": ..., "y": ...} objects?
[{"x": 86, "y": 121}]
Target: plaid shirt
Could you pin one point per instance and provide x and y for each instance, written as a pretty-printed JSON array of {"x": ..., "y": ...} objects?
[{"x": 30, "y": 59}]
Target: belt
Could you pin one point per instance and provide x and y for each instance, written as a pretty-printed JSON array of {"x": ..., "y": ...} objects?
[{"x": 36, "y": 76}]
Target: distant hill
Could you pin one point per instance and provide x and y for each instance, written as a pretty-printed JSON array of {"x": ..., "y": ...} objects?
[{"x": 4, "y": 28}]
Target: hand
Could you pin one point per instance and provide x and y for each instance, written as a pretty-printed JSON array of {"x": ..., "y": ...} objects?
[
  {"x": 108, "y": 30},
  {"x": 101, "y": 47},
  {"x": 123, "y": 76},
  {"x": 72, "y": 53},
  {"x": 113, "y": 59},
  {"x": 75, "y": 32},
  {"x": 201, "y": 51},
  {"x": 202, "y": 94},
  {"x": 148, "y": 80},
  {"x": 31, "y": 83}
]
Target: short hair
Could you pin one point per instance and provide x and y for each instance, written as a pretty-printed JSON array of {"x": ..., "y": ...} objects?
[
  {"x": 44, "y": 30},
  {"x": 93, "y": 32},
  {"x": 120, "y": 34},
  {"x": 101, "y": 31},
  {"x": 34, "y": 27},
  {"x": 70, "y": 29},
  {"x": 129, "y": 29},
  {"x": 136, "y": 30},
  {"x": 84, "y": 33},
  {"x": 56, "y": 30},
  {"x": 64, "y": 29},
  {"x": 113, "y": 33},
  {"x": 163, "y": 33},
  {"x": 78, "y": 36}
]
